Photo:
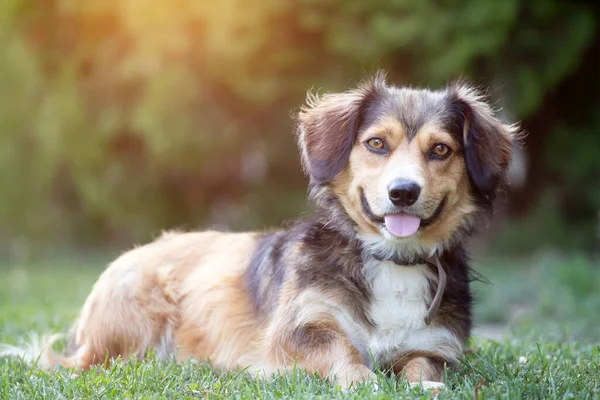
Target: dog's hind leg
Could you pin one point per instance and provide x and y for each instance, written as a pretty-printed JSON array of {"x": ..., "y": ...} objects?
[{"x": 131, "y": 308}]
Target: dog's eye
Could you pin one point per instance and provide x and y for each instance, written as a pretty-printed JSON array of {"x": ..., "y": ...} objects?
[
  {"x": 440, "y": 151},
  {"x": 376, "y": 144}
]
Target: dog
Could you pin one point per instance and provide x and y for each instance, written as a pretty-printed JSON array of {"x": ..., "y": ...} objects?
[{"x": 376, "y": 277}]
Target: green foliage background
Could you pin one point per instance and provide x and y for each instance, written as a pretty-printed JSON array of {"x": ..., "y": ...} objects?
[{"x": 120, "y": 118}]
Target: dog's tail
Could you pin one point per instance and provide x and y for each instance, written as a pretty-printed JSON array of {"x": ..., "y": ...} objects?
[{"x": 37, "y": 350}]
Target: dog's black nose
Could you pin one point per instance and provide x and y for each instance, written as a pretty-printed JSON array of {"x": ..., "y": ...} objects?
[{"x": 403, "y": 192}]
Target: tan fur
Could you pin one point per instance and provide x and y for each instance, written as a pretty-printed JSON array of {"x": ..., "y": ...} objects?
[
  {"x": 191, "y": 294},
  {"x": 189, "y": 286},
  {"x": 336, "y": 358},
  {"x": 442, "y": 178},
  {"x": 423, "y": 369}
]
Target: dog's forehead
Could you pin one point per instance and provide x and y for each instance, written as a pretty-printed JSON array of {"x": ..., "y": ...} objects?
[{"x": 413, "y": 108}]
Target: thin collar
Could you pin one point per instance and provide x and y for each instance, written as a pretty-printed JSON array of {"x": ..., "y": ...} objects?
[
  {"x": 439, "y": 292},
  {"x": 397, "y": 259}
]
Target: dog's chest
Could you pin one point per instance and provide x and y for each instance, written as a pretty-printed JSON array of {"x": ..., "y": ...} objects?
[{"x": 400, "y": 297}]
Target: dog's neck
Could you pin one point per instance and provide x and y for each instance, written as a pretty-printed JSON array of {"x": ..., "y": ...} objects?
[
  {"x": 398, "y": 259},
  {"x": 331, "y": 214}
]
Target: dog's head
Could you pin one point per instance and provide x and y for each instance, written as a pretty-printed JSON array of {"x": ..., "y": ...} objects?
[{"x": 412, "y": 168}]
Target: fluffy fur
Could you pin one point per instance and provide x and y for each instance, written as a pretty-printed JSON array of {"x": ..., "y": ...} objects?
[{"x": 336, "y": 294}]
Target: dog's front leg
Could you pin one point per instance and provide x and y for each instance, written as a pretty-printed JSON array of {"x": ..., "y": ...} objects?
[
  {"x": 321, "y": 347},
  {"x": 427, "y": 372}
]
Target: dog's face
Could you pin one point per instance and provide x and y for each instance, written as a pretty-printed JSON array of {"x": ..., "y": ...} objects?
[{"x": 411, "y": 167}]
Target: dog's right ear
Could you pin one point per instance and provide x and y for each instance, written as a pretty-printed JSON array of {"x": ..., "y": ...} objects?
[
  {"x": 488, "y": 142},
  {"x": 327, "y": 127}
]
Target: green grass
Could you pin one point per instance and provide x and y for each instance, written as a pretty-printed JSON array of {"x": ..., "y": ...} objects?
[
  {"x": 551, "y": 306},
  {"x": 558, "y": 297}
]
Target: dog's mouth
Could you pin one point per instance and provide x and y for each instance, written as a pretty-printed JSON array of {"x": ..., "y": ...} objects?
[{"x": 401, "y": 224}]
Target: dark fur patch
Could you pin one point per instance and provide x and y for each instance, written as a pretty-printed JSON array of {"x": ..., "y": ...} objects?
[
  {"x": 309, "y": 342},
  {"x": 453, "y": 123},
  {"x": 411, "y": 108},
  {"x": 487, "y": 147},
  {"x": 327, "y": 129},
  {"x": 266, "y": 271},
  {"x": 455, "y": 309},
  {"x": 333, "y": 264},
  {"x": 326, "y": 256},
  {"x": 314, "y": 335}
]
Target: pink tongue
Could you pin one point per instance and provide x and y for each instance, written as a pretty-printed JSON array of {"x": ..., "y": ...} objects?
[{"x": 402, "y": 225}]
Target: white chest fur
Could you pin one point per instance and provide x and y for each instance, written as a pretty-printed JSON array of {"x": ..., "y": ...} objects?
[
  {"x": 400, "y": 298},
  {"x": 401, "y": 295}
]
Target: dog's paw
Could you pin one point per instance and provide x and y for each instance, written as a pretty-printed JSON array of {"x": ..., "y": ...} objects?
[
  {"x": 355, "y": 374},
  {"x": 428, "y": 385}
]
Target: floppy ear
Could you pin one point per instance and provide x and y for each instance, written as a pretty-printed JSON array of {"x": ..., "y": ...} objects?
[
  {"x": 327, "y": 127},
  {"x": 487, "y": 141}
]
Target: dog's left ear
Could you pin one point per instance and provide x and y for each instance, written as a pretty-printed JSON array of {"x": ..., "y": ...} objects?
[
  {"x": 327, "y": 127},
  {"x": 487, "y": 141}
]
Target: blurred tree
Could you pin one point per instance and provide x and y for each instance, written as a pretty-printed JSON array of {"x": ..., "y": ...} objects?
[{"x": 121, "y": 118}]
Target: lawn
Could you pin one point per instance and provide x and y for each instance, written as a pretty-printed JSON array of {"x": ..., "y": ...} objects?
[{"x": 548, "y": 306}]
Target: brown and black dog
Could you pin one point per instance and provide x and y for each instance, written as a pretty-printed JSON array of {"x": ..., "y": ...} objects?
[{"x": 400, "y": 178}]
